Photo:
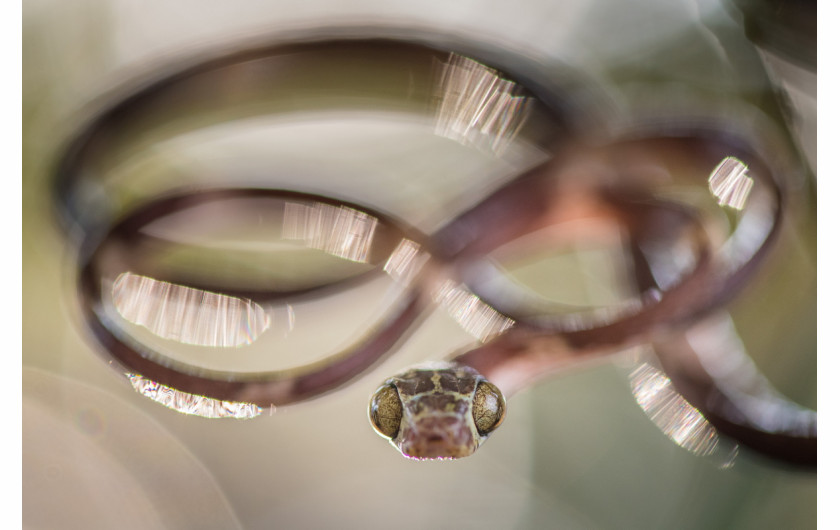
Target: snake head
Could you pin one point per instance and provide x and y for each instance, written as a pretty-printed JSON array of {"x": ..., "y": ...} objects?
[{"x": 442, "y": 410}]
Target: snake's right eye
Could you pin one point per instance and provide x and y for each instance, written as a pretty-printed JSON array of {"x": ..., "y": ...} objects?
[
  {"x": 386, "y": 411},
  {"x": 488, "y": 408}
]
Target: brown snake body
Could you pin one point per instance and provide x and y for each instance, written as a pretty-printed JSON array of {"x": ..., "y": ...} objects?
[{"x": 618, "y": 183}]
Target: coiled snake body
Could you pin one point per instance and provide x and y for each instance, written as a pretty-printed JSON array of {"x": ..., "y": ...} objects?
[{"x": 445, "y": 410}]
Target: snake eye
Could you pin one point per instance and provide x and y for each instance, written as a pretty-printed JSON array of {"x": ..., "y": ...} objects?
[
  {"x": 488, "y": 407},
  {"x": 386, "y": 411}
]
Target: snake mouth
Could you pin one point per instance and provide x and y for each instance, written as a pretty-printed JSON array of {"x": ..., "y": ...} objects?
[{"x": 438, "y": 437}]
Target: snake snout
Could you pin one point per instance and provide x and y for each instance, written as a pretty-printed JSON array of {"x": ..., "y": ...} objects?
[{"x": 438, "y": 437}]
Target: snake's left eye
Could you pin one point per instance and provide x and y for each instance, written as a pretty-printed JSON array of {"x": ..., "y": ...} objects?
[
  {"x": 488, "y": 407},
  {"x": 386, "y": 411}
]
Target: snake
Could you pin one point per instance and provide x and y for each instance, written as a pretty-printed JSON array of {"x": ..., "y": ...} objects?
[{"x": 449, "y": 408}]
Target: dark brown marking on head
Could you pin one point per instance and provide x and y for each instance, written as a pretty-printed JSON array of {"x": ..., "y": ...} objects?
[
  {"x": 438, "y": 402},
  {"x": 413, "y": 383}
]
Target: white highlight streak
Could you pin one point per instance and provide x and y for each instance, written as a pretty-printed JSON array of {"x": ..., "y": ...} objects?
[
  {"x": 477, "y": 106},
  {"x": 474, "y": 316},
  {"x": 190, "y": 403},
  {"x": 187, "y": 315},
  {"x": 730, "y": 184},
  {"x": 671, "y": 413},
  {"x": 406, "y": 261},
  {"x": 342, "y": 232}
]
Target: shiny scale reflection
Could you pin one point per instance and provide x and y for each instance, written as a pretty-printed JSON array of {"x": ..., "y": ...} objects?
[
  {"x": 341, "y": 231},
  {"x": 730, "y": 184},
  {"x": 186, "y": 315},
  {"x": 477, "y": 106},
  {"x": 673, "y": 415},
  {"x": 406, "y": 261},
  {"x": 473, "y": 315},
  {"x": 192, "y": 404}
]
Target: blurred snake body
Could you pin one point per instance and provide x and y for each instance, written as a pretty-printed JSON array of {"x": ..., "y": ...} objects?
[{"x": 447, "y": 409}]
